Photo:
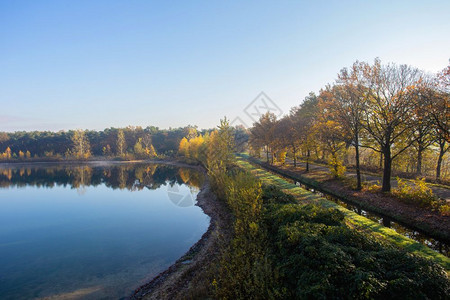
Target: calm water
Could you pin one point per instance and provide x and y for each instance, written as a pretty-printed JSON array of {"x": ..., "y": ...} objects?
[{"x": 93, "y": 232}]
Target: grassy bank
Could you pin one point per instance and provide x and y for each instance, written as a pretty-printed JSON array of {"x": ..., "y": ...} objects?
[
  {"x": 352, "y": 218},
  {"x": 436, "y": 230}
]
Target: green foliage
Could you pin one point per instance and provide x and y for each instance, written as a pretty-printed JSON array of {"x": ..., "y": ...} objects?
[
  {"x": 246, "y": 268},
  {"x": 416, "y": 193},
  {"x": 273, "y": 194},
  {"x": 283, "y": 250},
  {"x": 318, "y": 257}
]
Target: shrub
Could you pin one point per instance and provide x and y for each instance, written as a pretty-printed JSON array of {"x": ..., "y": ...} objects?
[
  {"x": 418, "y": 193},
  {"x": 336, "y": 167},
  {"x": 283, "y": 250},
  {"x": 273, "y": 194},
  {"x": 376, "y": 187},
  {"x": 319, "y": 257},
  {"x": 445, "y": 209}
]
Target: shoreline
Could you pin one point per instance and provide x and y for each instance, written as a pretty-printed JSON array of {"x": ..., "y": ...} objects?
[{"x": 174, "y": 282}]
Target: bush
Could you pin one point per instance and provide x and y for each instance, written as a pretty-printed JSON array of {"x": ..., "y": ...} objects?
[
  {"x": 336, "y": 167},
  {"x": 319, "y": 257},
  {"x": 418, "y": 193},
  {"x": 445, "y": 209},
  {"x": 273, "y": 194},
  {"x": 282, "y": 250},
  {"x": 376, "y": 187}
]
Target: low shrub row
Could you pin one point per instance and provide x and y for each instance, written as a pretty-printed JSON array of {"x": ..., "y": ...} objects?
[{"x": 283, "y": 250}]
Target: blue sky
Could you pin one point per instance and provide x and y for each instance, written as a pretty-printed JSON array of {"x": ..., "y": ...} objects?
[{"x": 99, "y": 64}]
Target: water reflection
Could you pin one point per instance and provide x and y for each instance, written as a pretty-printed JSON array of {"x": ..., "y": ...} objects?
[
  {"x": 132, "y": 177},
  {"x": 92, "y": 231}
]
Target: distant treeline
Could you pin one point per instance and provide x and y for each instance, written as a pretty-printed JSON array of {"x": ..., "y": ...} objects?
[{"x": 127, "y": 143}]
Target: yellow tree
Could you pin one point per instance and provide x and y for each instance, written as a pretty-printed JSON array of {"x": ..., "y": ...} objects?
[
  {"x": 262, "y": 134},
  {"x": 183, "y": 148},
  {"x": 81, "y": 148},
  {"x": 150, "y": 151}
]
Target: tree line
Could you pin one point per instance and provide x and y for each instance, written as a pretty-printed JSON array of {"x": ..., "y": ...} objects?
[
  {"x": 378, "y": 114},
  {"x": 127, "y": 143}
]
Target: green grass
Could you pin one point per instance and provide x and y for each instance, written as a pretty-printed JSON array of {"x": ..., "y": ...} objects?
[{"x": 353, "y": 219}]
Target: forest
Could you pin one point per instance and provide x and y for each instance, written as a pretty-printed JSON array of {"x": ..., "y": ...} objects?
[{"x": 126, "y": 143}]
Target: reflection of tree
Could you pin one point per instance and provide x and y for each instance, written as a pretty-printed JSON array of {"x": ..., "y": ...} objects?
[
  {"x": 129, "y": 176},
  {"x": 191, "y": 177},
  {"x": 81, "y": 176},
  {"x": 122, "y": 178}
]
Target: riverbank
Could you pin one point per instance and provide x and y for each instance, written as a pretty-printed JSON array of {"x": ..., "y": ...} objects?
[
  {"x": 422, "y": 219},
  {"x": 193, "y": 268},
  {"x": 354, "y": 220}
]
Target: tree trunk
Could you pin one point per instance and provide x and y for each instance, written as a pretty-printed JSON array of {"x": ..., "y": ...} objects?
[
  {"x": 358, "y": 169},
  {"x": 419, "y": 160},
  {"x": 295, "y": 156},
  {"x": 267, "y": 153},
  {"x": 381, "y": 161},
  {"x": 387, "y": 169},
  {"x": 347, "y": 146},
  {"x": 439, "y": 162},
  {"x": 307, "y": 159}
]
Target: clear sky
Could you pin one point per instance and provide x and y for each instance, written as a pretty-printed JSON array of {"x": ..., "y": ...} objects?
[{"x": 98, "y": 64}]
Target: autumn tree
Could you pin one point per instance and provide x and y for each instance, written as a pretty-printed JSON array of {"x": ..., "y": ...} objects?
[
  {"x": 183, "y": 148},
  {"x": 220, "y": 147},
  {"x": 288, "y": 135},
  {"x": 262, "y": 133},
  {"x": 331, "y": 129},
  {"x": 81, "y": 148},
  {"x": 304, "y": 118},
  {"x": 422, "y": 133},
  {"x": 388, "y": 115},
  {"x": 346, "y": 105},
  {"x": 438, "y": 100}
]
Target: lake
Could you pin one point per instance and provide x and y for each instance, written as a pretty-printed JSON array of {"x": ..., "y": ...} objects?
[{"x": 94, "y": 231}]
